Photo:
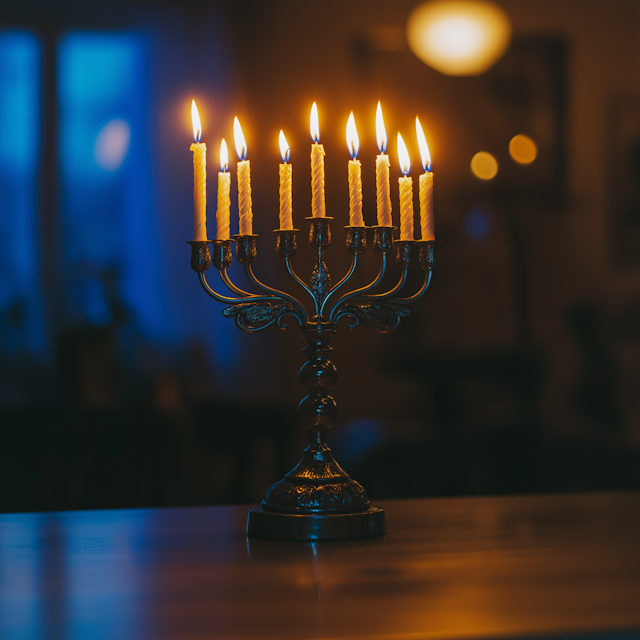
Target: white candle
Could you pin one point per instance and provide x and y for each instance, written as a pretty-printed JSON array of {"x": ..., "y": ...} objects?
[
  {"x": 317, "y": 167},
  {"x": 199, "y": 177},
  {"x": 286, "y": 209},
  {"x": 355, "y": 175},
  {"x": 244, "y": 181},
  {"x": 406, "y": 192},
  {"x": 382, "y": 173},
  {"x": 223, "y": 212},
  {"x": 426, "y": 187}
]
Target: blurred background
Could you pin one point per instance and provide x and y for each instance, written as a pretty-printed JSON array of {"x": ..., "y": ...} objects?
[{"x": 121, "y": 383}]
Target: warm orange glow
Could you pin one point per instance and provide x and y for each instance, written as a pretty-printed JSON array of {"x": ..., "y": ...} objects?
[
  {"x": 195, "y": 121},
  {"x": 460, "y": 37},
  {"x": 484, "y": 166},
  {"x": 285, "y": 150},
  {"x": 353, "y": 142},
  {"x": 224, "y": 156},
  {"x": 403, "y": 156},
  {"x": 241, "y": 143},
  {"x": 425, "y": 156},
  {"x": 523, "y": 149},
  {"x": 314, "y": 124},
  {"x": 381, "y": 132}
]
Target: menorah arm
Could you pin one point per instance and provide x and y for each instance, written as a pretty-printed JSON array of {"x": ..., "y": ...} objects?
[
  {"x": 418, "y": 294},
  {"x": 300, "y": 282},
  {"x": 392, "y": 292},
  {"x": 228, "y": 299},
  {"x": 225, "y": 278},
  {"x": 275, "y": 293},
  {"x": 347, "y": 277},
  {"x": 359, "y": 292}
]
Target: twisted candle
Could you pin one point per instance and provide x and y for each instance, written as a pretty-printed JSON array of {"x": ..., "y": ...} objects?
[
  {"x": 355, "y": 194},
  {"x": 286, "y": 215},
  {"x": 426, "y": 206},
  {"x": 224, "y": 206},
  {"x": 383, "y": 191},
  {"x": 199, "y": 190},
  {"x": 244, "y": 198},
  {"x": 317, "y": 181},
  {"x": 406, "y": 207}
]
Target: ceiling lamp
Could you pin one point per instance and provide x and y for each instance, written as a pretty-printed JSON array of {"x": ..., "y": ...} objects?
[{"x": 463, "y": 38}]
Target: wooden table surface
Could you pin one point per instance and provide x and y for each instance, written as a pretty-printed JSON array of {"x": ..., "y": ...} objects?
[{"x": 534, "y": 566}]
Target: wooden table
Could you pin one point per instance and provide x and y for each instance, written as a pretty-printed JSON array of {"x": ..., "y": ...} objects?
[{"x": 455, "y": 568}]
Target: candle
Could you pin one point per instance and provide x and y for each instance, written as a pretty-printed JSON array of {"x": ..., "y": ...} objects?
[
  {"x": 317, "y": 167},
  {"x": 426, "y": 187},
  {"x": 244, "y": 181},
  {"x": 355, "y": 175},
  {"x": 286, "y": 215},
  {"x": 199, "y": 177},
  {"x": 224, "y": 188},
  {"x": 382, "y": 173},
  {"x": 406, "y": 192}
]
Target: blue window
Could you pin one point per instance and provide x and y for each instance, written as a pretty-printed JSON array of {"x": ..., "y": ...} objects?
[
  {"x": 20, "y": 312},
  {"x": 110, "y": 238}
]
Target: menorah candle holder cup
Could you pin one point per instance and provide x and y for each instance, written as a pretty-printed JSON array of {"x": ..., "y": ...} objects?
[{"x": 317, "y": 500}]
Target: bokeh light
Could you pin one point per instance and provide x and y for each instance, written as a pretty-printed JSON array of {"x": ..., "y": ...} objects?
[
  {"x": 459, "y": 38},
  {"x": 112, "y": 144},
  {"x": 484, "y": 166},
  {"x": 523, "y": 149}
]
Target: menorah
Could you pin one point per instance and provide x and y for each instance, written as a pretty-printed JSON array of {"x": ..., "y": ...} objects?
[{"x": 317, "y": 499}]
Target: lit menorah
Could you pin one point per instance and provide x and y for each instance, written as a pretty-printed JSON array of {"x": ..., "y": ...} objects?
[{"x": 317, "y": 499}]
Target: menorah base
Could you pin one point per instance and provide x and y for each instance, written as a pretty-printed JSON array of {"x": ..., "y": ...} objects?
[{"x": 270, "y": 525}]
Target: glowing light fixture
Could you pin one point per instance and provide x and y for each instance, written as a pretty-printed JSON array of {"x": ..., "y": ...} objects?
[
  {"x": 523, "y": 149},
  {"x": 484, "y": 166},
  {"x": 459, "y": 38}
]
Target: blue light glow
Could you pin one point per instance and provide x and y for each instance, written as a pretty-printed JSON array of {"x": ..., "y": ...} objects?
[
  {"x": 20, "y": 316},
  {"x": 108, "y": 220},
  {"x": 477, "y": 225}
]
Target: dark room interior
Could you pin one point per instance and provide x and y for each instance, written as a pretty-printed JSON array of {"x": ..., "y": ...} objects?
[{"x": 124, "y": 386}]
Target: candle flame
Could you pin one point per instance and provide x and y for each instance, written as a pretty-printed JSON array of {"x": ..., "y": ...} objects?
[
  {"x": 241, "y": 143},
  {"x": 425, "y": 156},
  {"x": 314, "y": 125},
  {"x": 195, "y": 121},
  {"x": 224, "y": 156},
  {"x": 285, "y": 150},
  {"x": 381, "y": 132},
  {"x": 353, "y": 142},
  {"x": 403, "y": 156}
]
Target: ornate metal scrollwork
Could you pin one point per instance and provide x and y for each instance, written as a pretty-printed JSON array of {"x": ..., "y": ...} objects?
[{"x": 380, "y": 316}]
